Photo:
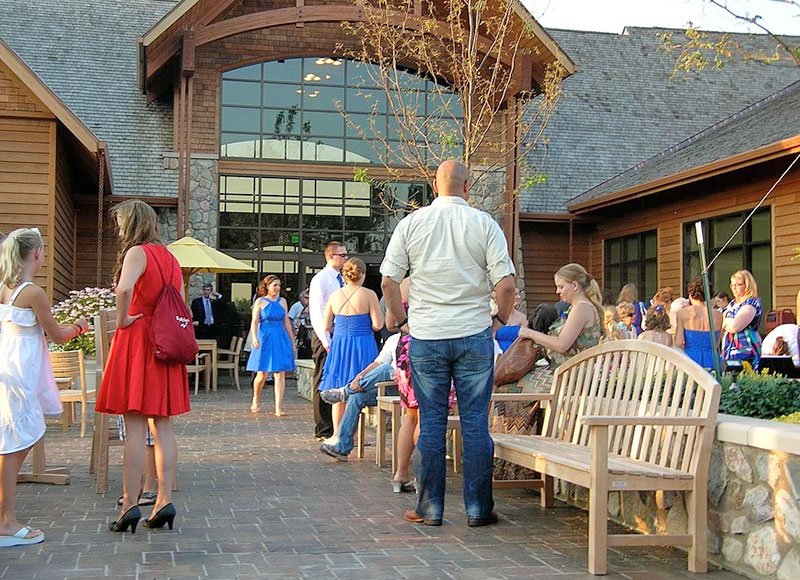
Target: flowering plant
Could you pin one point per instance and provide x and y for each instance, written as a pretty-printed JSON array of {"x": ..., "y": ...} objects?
[{"x": 86, "y": 304}]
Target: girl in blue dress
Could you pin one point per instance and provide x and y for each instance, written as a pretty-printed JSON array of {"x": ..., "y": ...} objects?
[
  {"x": 273, "y": 342},
  {"x": 354, "y": 314},
  {"x": 693, "y": 332}
]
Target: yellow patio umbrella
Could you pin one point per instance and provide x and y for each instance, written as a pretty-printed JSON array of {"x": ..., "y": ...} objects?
[{"x": 195, "y": 257}]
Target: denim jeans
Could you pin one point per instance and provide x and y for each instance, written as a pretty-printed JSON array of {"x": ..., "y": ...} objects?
[
  {"x": 469, "y": 364},
  {"x": 359, "y": 400}
]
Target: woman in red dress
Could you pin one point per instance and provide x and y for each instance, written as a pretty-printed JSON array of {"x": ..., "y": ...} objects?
[{"x": 135, "y": 383}]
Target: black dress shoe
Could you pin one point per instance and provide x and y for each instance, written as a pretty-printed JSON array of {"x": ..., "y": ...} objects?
[
  {"x": 129, "y": 519},
  {"x": 166, "y": 515},
  {"x": 483, "y": 521}
]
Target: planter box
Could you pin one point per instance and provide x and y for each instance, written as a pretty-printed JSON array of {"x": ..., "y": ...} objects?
[{"x": 753, "y": 494}]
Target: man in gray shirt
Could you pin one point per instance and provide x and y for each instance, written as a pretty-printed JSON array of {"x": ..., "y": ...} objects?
[{"x": 455, "y": 255}]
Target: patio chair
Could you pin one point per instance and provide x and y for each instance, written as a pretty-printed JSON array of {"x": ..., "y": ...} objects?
[
  {"x": 202, "y": 364},
  {"x": 70, "y": 365},
  {"x": 230, "y": 361}
]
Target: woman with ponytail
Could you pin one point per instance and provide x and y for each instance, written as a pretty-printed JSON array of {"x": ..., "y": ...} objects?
[
  {"x": 582, "y": 327},
  {"x": 27, "y": 387}
]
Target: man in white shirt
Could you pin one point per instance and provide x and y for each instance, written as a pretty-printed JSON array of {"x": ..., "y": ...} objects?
[
  {"x": 323, "y": 284},
  {"x": 454, "y": 255},
  {"x": 361, "y": 392}
]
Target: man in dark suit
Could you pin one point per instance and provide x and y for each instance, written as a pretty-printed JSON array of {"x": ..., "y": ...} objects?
[{"x": 207, "y": 313}]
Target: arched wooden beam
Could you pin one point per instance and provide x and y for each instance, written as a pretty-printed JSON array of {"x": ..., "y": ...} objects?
[{"x": 293, "y": 15}]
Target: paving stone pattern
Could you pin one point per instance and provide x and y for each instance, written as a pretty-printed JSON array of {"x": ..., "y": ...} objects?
[{"x": 258, "y": 499}]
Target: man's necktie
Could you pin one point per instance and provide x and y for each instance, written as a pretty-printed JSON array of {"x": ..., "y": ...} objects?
[
  {"x": 207, "y": 307},
  {"x": 341, "y": 280}
]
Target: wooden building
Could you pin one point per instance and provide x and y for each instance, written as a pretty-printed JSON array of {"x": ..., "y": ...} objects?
[{"x": 53, "y": 170}]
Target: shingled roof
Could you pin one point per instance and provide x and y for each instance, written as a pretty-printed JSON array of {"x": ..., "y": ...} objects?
[
  {"x": 621, "y": 108},
  {"x": 86, "y": 51},
  {"x": 765, "y": 128}
]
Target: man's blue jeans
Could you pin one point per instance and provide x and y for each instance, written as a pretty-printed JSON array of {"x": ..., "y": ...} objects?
[
  {"x": 469, "y": 363},
  {"x": 357, "y": 401}
]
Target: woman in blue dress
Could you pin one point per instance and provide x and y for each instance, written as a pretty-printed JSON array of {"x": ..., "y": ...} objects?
[
  {"x": 273, "y": 342},
  {"x": 693, "y": 331},
  {"x": 353, "y": 312},
  {"x": 741, "y": 340}
]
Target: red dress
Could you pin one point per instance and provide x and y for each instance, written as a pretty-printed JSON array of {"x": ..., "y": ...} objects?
[{"x": 134, "y": 380}]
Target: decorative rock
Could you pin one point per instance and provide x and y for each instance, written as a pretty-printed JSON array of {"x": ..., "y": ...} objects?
[
  {"x": 714, "y": 542},
  {"x": 736, "y": 462},
  {"x": 740, "y": 525},
  {"x": 677, "y": 519},
  {"x": 790, "y": 568},
  {"x": 613, "y": 504},
  {"x": 718, "y": 521},
  {"x": 787, "y": 516},
  {"x": 762, "y": 513},
  {"x": 775, "y": 470},
  {"x": 762, "y": 551},
  {"x": 761, "y": 466},
  {"x": 755, "y": 497},
  {"x": 734, "y": 496},
  {"x": 732, "y": 549},
  {"x": 792, "y": 470},
  {"x": 717, "y": 476}
]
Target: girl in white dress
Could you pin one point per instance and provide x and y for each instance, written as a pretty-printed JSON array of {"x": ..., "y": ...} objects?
[{"x": 27, "y": 386}]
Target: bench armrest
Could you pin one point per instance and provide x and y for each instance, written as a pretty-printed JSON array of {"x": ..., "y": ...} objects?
[
  {"x": 607, "y": 420},
  {"x": 524, "y": 397}
]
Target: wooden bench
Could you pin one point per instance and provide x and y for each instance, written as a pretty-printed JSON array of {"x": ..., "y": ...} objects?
[{"x": 626, "y": 415}]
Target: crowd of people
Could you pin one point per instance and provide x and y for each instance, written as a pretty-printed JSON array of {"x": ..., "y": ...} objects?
[{"x": 450, "y": 306}]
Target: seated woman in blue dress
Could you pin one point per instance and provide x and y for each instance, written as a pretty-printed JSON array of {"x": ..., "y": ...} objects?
[
  {"x": 507, "y": 334},
  {"x": 693, "y": 330}
]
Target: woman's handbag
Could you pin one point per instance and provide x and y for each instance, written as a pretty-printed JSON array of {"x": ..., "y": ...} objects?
[{"x": 517, "y": 361}]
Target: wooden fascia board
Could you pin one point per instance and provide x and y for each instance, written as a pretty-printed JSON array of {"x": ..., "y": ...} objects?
[
  {"x": 544, "y": 37},
  {"x": 49, "y": 99},
  {"x": 167, "y": 21},
  {"x": 154, "y": 201},
  {"x": 740, "y": 161},
  {"x": 540, "y": 217}
]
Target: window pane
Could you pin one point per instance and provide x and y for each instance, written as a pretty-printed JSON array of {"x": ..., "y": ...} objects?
[
  {"x": 282, "y": 97},
  {"x": 614, "y": 278},
  {"x": 283, "y": 122},
  {"x": 650, "y": 279},
  {"x": 723, "y": 228},
  {"x": 323, "y": 98},
  {"x": 761, "y": 268},
  {"x": 726, "y": 264},
  {"x": 359, "y": 75},
  {"x": 323, "y": 149},
  {"x": 613, "y": 251},
  {"x": 323, "y": 70},
  {"x": 240, "y": 120},
  {"x": 632, "y": 249},
  {"x": 238, "y": 239},
  {"x": 365, "y": 125},
  {"x": 244, "y": 185},
  {"x": 240, "y": 145},
  {"x": 650, "y": 246},
  {"x": 359, "y": 151},
  {"x": 760, "y": 224},
  {"x": 323, "y": 124},
  {"x": 252, "y": 72},
  {"x": 280, "y": 148},
  {"x": 241, "y": 93},
  {"x": 366, "y": 100},
  {"x": 283, "y": 70},
  {"x": 632, "y": 274}
]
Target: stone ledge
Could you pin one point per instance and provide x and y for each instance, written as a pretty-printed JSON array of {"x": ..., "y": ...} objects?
[
  {"x": 760, "y": 433},
  {"x": 305, "y": 363}
]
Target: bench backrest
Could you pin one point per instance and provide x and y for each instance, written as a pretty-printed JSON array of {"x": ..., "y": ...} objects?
[{"x": 640, "y": 379}]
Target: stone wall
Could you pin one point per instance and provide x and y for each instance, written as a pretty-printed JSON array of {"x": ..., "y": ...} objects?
[
  {"x": 753, "y": 500},
  {"x": 303, "y": 373}
]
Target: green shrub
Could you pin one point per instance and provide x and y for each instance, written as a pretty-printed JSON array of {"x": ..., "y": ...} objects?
[
  {"x": 759, "y": 395},
  {"x": 86, "y": 304}
]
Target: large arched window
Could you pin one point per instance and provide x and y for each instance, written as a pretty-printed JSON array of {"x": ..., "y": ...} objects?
[{"x": 292, "y": 110}]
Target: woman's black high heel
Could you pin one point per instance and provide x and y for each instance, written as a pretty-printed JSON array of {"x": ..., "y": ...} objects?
[
  {"x": 129, "y": 518},
  {"x": 166, "y": 515}
]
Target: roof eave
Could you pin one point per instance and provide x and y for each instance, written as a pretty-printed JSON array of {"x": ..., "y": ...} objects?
[
  {"x": 740, "y": 161},
  {"x": 167, "y": 21},
  {"x": 569, "y": 65}
]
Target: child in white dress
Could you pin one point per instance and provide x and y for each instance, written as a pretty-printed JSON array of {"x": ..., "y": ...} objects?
[{"x": 27, "y": 387}]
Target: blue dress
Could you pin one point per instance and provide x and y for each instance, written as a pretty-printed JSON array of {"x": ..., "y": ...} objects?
[
  {"x": 698, "y": 347},
  {"x": 353, "y": 347},
  {"x": 506, "y": 335},
  {"x": 274, "y": 353}
]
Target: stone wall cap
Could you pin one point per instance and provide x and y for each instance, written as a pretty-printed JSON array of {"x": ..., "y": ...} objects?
[{"x": 760, "y": 433}]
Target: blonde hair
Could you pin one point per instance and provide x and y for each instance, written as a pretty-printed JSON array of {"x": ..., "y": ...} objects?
[
  {"x": 14, "y": 251},
  {"x": 353, "y": 269},
  {"x": 138, "y": 224},
  {"x": 625, "y": 309},
  {"x": 610, "y": 320},
  {"x": 628, "y": 294},
  {"x": 577, "y": 273},
  {"x": 750, "y": 286}
]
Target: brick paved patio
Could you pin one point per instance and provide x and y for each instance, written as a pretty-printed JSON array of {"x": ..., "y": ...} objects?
[{"x": 258, "y": 499}]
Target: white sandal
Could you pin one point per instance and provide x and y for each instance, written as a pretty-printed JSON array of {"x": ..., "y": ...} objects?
[{"x": 20, "y": 539}]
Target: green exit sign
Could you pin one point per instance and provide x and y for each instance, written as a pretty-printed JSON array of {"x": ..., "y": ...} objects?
[{"x": 295, "y": 239}]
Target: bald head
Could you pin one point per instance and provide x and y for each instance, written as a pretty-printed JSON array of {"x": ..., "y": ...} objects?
[{"x": 452, "y": 179}]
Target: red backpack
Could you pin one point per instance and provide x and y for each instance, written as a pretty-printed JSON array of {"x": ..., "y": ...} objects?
[{"x": 171, "y": 328}]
